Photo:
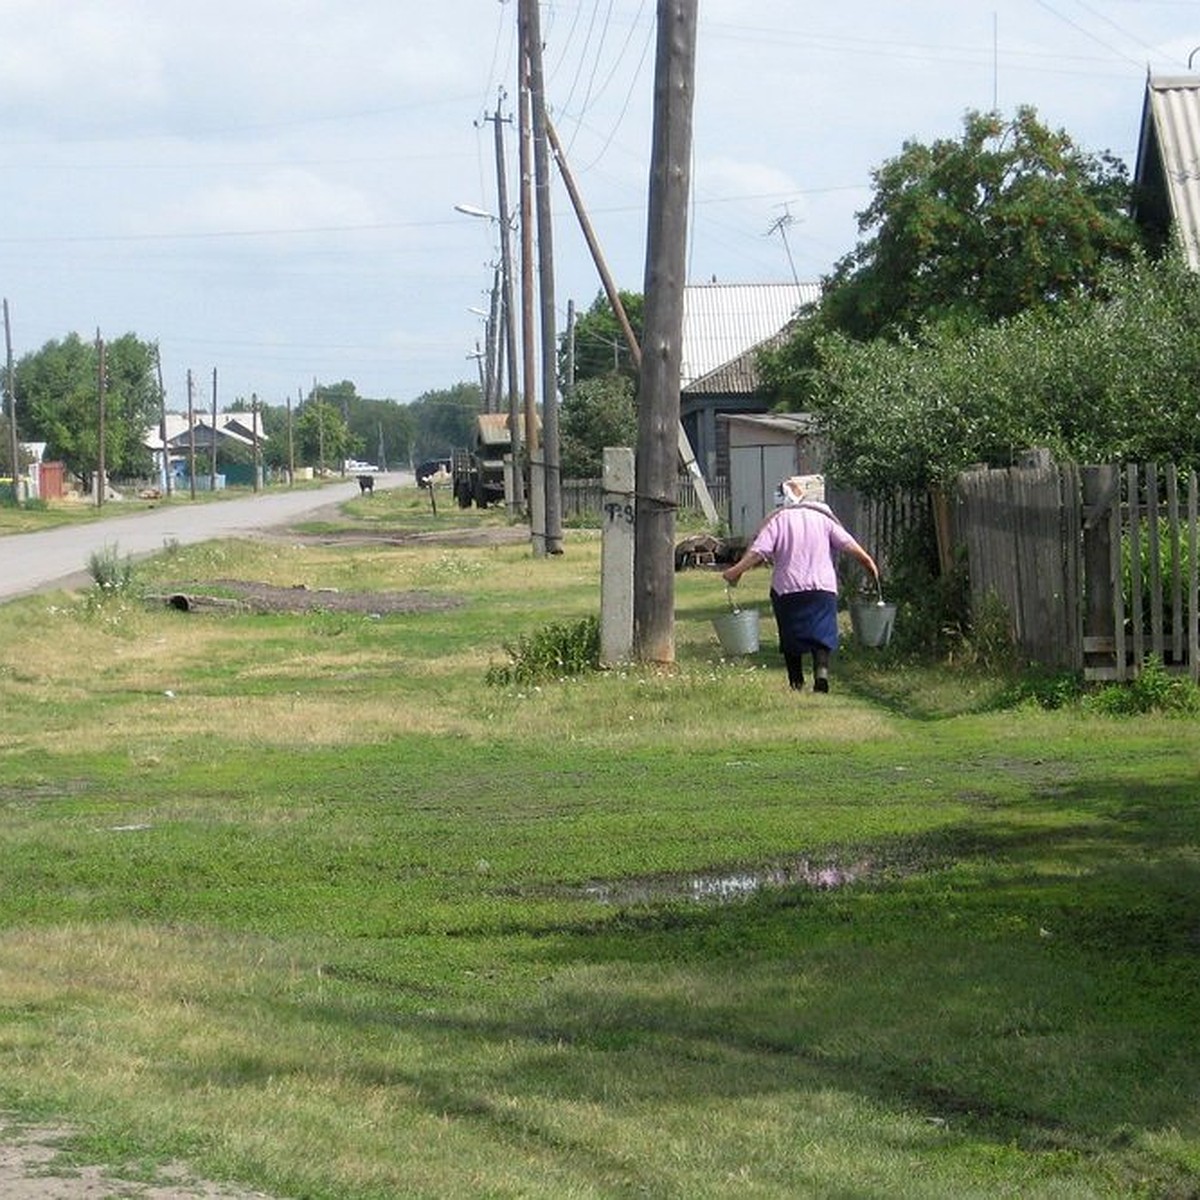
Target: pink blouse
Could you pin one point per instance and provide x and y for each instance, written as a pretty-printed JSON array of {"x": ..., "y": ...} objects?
[{"x": 802, "y": 544}]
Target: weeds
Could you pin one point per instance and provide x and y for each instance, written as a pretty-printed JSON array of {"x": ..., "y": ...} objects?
[
  {"x": 551, "y": 652},
  {"x": 1154, "y": 689},
  {"x": 111, "y": 572},
  {"x": 1049, "y": 690}
]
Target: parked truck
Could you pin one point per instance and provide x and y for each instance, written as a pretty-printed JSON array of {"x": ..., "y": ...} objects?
[{"x": 477, "y": 473}]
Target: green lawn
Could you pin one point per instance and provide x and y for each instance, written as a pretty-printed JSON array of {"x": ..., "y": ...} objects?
[{"x": 303, "y": 902}]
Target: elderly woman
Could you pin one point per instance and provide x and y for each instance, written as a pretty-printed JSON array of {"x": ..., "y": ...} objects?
[{"x": 802, "y": 541}]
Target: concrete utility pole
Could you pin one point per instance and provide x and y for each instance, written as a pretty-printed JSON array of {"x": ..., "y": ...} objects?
[
  {"x": 292, "y": 436},
  {"x": 658, "y": 393},
  {"x": 162, "y": 421},
  {"x": 212, "y": 484},
  {"x": 491, "y": 401},
  {"x": 191, "y": 434},
  {"x": 254, "y": 433}
]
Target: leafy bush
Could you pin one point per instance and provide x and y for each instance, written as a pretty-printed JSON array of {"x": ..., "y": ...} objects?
[
  {"x": 551, "y": 652},
  {"x": 1154, "y": 690}
]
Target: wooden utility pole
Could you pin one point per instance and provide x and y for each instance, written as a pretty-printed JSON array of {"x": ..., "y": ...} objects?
[
  {"x": 191, "y": 434},
  {"x": 101, "y": 390},
  {"x": 213, "y": 470},
  {"x": 509, "y": 316},
  {"x": 13, "y": 444},
  {"x": 658, "y": 392},
  {"x": 545, "y": 231},
  {"x": 528, "y": 358},
  {"x": 162, "y": 421}
]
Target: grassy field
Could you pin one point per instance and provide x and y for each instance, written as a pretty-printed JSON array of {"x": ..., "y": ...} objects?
[{"x": 304, "y": 902}]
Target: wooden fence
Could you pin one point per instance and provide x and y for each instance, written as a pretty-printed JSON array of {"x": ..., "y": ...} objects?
[
  {"x": 1097, "y": 566},
  {"x": 582, "y": 497}
]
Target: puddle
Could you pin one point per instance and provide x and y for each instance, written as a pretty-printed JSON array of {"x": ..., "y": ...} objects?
[{"x": 723, "y": 887}]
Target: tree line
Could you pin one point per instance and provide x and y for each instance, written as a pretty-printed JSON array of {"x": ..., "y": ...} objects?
[{"x": 57, "y": 392}]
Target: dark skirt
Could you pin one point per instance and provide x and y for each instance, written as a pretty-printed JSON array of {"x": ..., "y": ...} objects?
[{"x": 805, "y": 620}]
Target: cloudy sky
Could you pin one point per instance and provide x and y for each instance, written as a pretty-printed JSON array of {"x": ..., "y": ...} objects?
[{"x": 267, "y": 188}]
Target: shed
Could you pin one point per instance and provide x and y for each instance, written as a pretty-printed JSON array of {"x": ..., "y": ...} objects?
[{"x": 763, "y": 449}]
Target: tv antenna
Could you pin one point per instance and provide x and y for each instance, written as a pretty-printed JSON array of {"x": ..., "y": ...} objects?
[{"x": 780, "y": 226}]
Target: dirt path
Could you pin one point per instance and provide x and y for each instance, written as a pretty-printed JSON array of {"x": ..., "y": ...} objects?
[{"x": 28, "y": 1171}]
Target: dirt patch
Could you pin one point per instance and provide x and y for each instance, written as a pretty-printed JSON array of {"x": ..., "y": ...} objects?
[
  {"x": 342, "y": 535},
  {"x": 31, "y": 1169},
  {"x": 246, "y": 596}
]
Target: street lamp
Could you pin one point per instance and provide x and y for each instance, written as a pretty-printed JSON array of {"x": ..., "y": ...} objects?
[{"x": 471, "y": 211}]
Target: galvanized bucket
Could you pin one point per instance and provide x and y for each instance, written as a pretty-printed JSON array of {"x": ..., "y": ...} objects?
[
  {"x": 737, "y": 631},
  {"x": 872, "y": 621}
]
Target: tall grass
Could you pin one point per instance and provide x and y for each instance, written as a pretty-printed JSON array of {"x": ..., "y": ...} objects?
[{"x": 308, "y": 904}]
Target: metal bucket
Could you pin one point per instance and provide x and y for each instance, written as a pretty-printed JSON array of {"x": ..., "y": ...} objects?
[
  {"x": 872, "y": 621},
  {"x": 737, "y": 631}
]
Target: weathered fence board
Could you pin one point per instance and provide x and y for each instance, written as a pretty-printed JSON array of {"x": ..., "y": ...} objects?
[{"x": 1017, "y": 525}]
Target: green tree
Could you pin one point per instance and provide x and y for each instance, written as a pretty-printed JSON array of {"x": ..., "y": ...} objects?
[
  {"x": 1010, "y": 216},
  {"x": 600, "y": 345},
  {"x": 444, "y": 420},
  {"x": 57, "y": 394},
  {"x": 321, "y": 435},
  {"x": 599, "y": 412}
]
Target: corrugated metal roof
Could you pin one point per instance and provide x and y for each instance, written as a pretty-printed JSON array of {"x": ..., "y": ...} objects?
[
  {"x": 723, "y": 320},
  {"x": 237, "y": 425},
  {"x": 739, "y": 376},
  {"x": 1171, "y": 125}
]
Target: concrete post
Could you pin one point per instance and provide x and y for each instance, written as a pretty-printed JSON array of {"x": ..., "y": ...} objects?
[{"x": 618, "y": 513}]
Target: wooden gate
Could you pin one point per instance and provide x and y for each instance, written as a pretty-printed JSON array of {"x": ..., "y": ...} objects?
[{"x": 1020, "y": 527}]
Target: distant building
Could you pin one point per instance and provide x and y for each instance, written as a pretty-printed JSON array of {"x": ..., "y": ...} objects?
[{"x": 234, "y": 428}]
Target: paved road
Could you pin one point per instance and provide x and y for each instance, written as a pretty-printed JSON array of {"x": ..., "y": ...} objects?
[{"x": 31, "y": 562}]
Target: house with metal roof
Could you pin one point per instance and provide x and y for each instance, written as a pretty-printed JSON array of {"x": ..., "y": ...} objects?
[
  {"x": 1167, "y": 174},
  {"x": 231, "y": 429},
  {"x": 724, "y": 327}
]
